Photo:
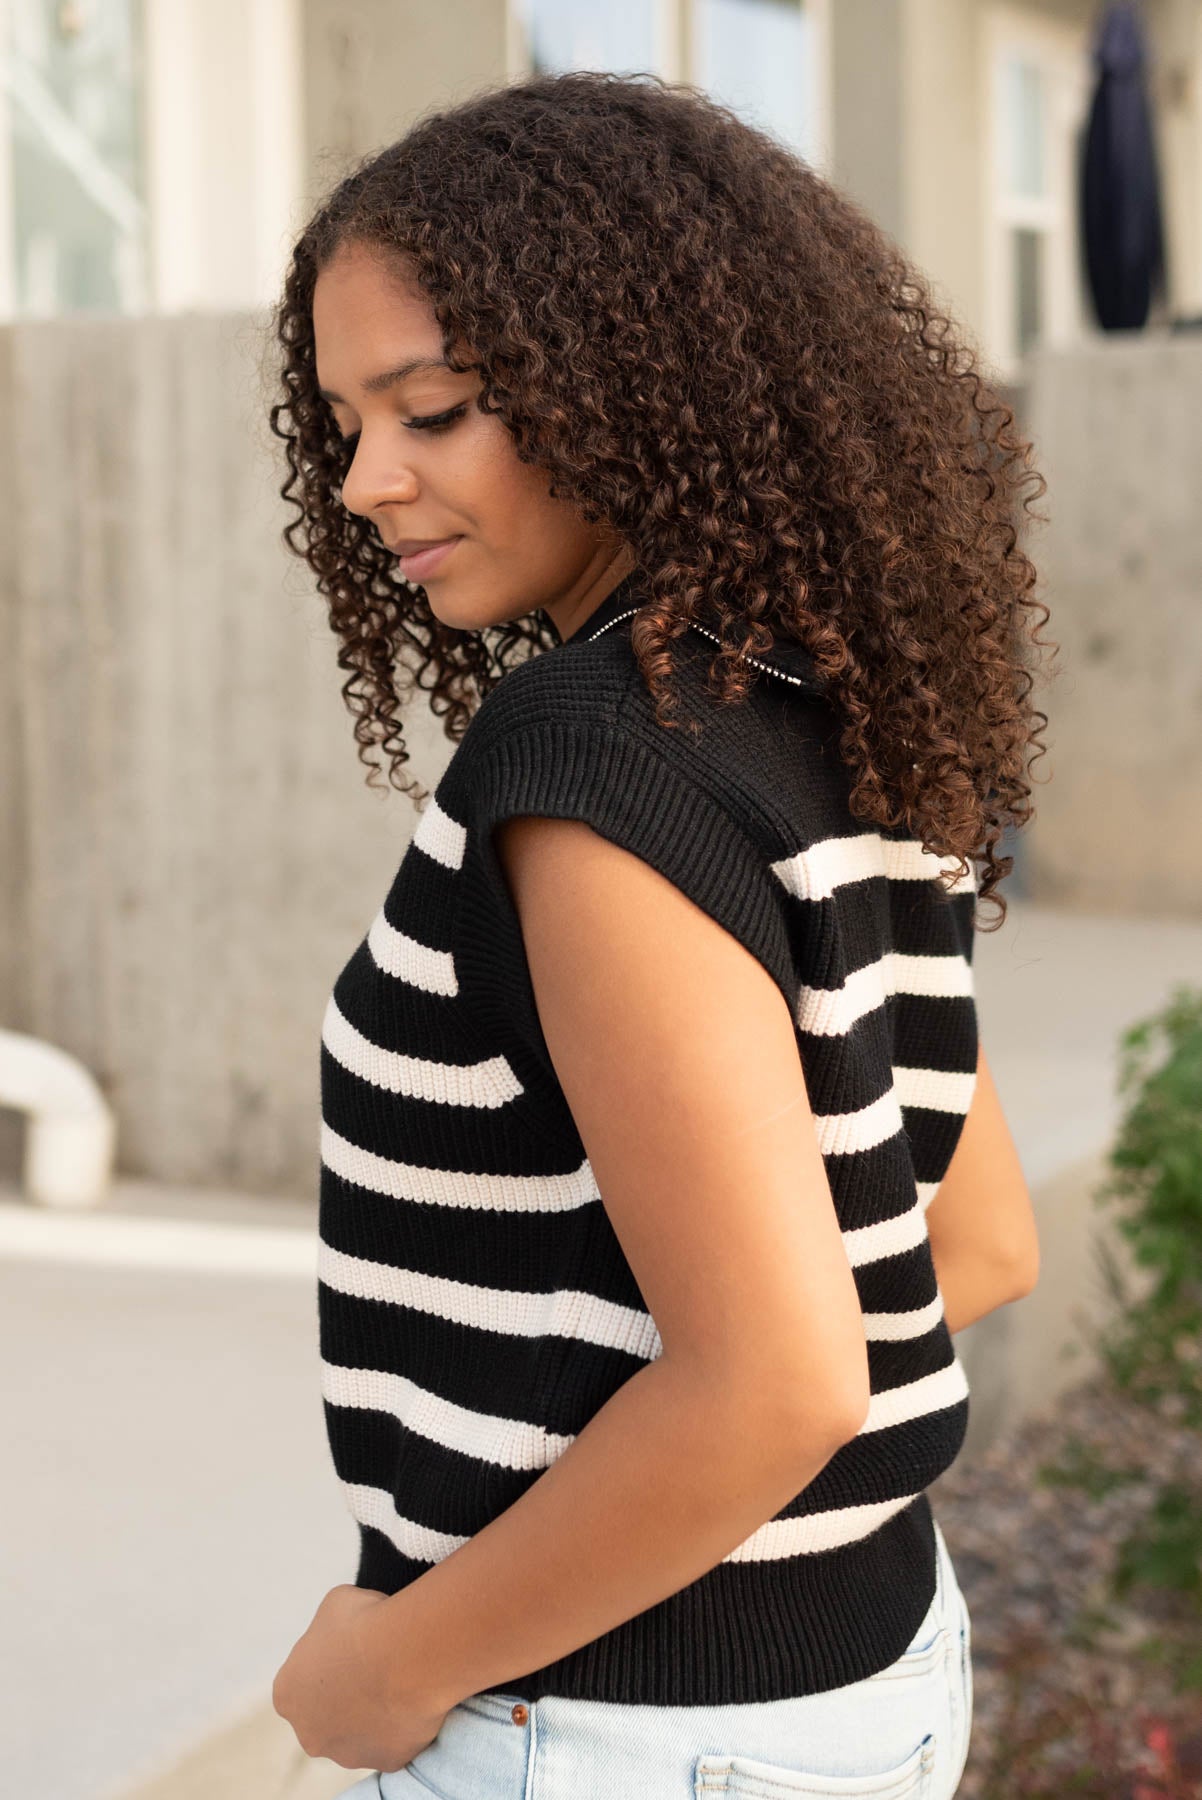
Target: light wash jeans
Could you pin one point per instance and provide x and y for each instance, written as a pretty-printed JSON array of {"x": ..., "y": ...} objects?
[{"x": 901, "y": 1734}]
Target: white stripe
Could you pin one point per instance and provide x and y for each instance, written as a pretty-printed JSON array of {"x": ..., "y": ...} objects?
[
  {"x": 506, "y": 1443},
  {"x": 907, "y": 859},
  {"x": 840, "y": 1134},
  {"x": 440, "y": 836},
  {"x": 577, "y": 1314},
  {"x": 566, "y": 1313},
  {"x": 895, "y": 1327},
  {"x": 814, "y": 874},
  {"x": 815, "y": 1532},
  {"x": 889, "y": 1237},
  {"x": 410, "y": 961},
  {"x": 373, "y": 1506},
  {"x": 490, "y": 1083},
  {"x": 940, "y": 1089},
  {"x": 926, "y": 1192},
  {"x": 774, "y": 1541},
  {"x": 455, "y": 1187},
  {"x": 830, "y": 1012},
  {"x": 915, "y": 1399}
]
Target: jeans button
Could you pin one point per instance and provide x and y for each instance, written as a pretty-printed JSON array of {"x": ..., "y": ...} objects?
[{"x": 518, "y": 1713}]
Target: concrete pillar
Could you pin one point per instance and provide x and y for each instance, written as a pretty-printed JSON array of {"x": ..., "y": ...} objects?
[
  {"x": 868, "y": 107},
  {"x": 907, "y": 131},
  {"x": 223, "y": 149}
]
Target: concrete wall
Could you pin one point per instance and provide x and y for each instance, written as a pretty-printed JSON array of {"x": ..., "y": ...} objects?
[
  {"x": 174, "y": 744},
  {"x": 371, "y": 67},
  {"x": 1117, "y": 427},
  {"x": 188, "y": 846}
]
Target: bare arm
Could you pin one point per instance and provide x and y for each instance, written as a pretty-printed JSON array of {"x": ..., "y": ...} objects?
[
  {"x": 981, "y": 1223},
  {"x": 678, "y": 1057}
]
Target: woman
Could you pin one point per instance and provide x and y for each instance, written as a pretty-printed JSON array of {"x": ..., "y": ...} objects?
[{"x": 634, "y": 443}]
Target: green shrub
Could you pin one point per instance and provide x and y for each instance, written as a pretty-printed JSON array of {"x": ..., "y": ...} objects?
[
  {"x": 1151, "y": 1347},
  {"x": 1154, "y": 1349}
]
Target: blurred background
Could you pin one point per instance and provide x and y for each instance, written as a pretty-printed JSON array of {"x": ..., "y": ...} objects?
[{"x": 188, "y": 851}]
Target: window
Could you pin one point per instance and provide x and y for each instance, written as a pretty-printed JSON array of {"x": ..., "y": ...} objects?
[
  {"x": 77, "y": 225},
  {"x": 1037, "y": 81},
  {"x": 622, "y": 35},
  {"x": 757, "y": 57},
  {"x": 762, "y": 58}
]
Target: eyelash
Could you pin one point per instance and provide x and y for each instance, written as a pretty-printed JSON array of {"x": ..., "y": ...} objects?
[{"x": 432, "y": 422}]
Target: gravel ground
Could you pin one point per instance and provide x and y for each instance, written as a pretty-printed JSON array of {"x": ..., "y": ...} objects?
[{"x": 1071, "y": 1692}]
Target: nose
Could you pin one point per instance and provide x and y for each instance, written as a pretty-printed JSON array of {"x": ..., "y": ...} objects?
[{"x": 376, "y": 476}]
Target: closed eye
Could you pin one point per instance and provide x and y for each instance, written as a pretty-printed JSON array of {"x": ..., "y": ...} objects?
[
  {"x": 437, "y": 421},
  {"x": 431, "y": 422}
]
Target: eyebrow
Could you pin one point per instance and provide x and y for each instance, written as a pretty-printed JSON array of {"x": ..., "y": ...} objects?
[{"x": 376, "y": 384}]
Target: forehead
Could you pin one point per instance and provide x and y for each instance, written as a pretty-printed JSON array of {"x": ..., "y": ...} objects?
[{"x": 366, "y": 309}]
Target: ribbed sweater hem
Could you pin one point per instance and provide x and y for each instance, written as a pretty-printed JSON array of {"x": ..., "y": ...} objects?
[{"x": 821, "y": 1622}]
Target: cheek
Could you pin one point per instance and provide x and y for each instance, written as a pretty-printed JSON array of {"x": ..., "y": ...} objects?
[{"x": 502, "y": 487}]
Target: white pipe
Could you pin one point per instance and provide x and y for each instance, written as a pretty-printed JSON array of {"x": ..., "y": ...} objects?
[{"x": 71, "y": 1133}]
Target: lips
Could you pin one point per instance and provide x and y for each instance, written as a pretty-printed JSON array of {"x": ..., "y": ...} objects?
[{"x": 420, "y": 557}]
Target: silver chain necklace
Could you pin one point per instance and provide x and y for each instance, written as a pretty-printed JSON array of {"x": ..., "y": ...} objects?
[{"x": 797, "y": 680}]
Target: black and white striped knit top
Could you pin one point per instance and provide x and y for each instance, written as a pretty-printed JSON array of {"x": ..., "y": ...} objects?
[{"x": 475, "y": 1307}]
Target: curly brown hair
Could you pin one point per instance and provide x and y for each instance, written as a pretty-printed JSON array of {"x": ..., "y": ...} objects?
[{"x": 722, "y": 360}]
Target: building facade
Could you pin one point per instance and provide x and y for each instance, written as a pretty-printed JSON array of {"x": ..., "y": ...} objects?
[{"x": 158, "y": 155}]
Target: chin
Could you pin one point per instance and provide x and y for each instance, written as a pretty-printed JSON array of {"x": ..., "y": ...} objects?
[
  {"x": 462, "y": 617},
  {"x": 465, "y": 616}
]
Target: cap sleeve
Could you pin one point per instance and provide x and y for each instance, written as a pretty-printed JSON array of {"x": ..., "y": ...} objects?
[{"x": 712, "y": 848}]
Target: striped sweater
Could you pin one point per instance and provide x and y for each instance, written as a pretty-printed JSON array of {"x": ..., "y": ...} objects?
[{"x": 475, "y": 1307}]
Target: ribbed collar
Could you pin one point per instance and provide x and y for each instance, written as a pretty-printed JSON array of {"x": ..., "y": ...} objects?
[{"x": 787, "y": 658}]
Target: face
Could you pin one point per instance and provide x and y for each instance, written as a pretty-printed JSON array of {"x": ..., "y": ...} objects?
[{"x": 430, "y": 468}]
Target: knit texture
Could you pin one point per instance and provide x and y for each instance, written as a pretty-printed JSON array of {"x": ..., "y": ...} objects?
[{"x": 475, "y": 1306}]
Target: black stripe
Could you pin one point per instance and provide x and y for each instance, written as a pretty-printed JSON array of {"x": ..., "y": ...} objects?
[{"x": 566, "y": 1250}]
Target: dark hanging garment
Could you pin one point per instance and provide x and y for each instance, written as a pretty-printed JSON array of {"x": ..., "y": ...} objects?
[{"x": 1120, "y": 184}]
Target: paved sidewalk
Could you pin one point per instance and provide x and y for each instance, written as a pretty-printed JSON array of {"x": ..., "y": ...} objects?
[
  {"x": 174, "y": 1518},
  {"x": 256, "y": 1758}
]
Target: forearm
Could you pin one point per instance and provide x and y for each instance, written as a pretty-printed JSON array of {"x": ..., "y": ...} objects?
[{"x": 659, "y": 1486}]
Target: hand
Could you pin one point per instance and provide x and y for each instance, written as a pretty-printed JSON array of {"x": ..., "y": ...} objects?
[{"x": 335, "y": 1691}]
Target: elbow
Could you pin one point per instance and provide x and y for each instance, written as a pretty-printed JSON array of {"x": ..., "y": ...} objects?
[
  {"x": 836, "y": 1424},
  {"x": 1020, "y": 1268},
  {"x": 846, "y": 1392},
  {"x": 851, "y": 1421},
  {"x": 1003, "y": 1272},
  {"x": 1023, "y": 1277}
]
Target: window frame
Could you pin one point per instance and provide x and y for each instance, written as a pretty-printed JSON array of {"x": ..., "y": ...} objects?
[{"x": 1060, "y": 51}]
